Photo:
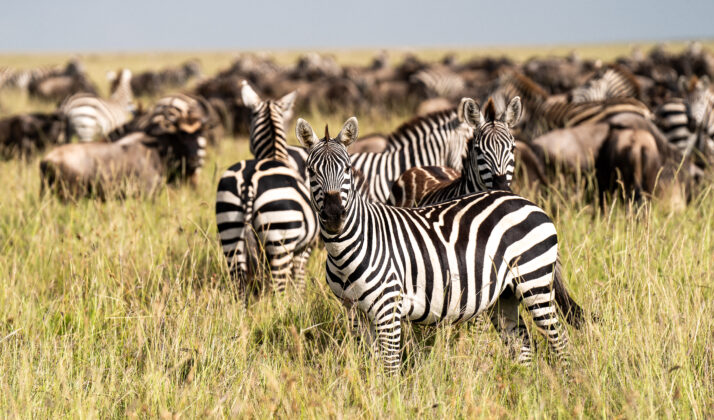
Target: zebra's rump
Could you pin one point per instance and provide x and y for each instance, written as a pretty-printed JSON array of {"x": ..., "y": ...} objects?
[
  {"x": 452, "y": 260},
  {"x": 89, "y": 115},
  {"x": 272, "y": 198}
]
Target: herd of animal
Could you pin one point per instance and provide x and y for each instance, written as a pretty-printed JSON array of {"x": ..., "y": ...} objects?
[{"x": 421, "y": 224}]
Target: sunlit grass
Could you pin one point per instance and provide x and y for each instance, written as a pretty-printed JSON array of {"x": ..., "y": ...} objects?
[{"x": 124, "y": 309}]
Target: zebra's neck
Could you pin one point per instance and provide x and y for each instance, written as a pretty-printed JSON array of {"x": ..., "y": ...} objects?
[
  {"x": 432, "y": 133},
  {"x": 532, "y": 96},
  {"x": 122, "y": 94},
  {"x": 267, "y": 135},
  {"x": 353, "y": 238}
]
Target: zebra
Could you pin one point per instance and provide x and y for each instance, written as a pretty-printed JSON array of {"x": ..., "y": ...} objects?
[
  {"x": 439, "y": 82},
  {"x": 268, "y": 196},
  {"x": 543, "y": 113},
  {"x": 615, "y": 82},
  {"x": 21, "y": 79},
  {"x": 488, "y": 164},
  {"x": 688, "y": 123},
  {"x": 442, "y": 263},
  {"x": 91, "y": 117},
  {"x": 438, "y": 138}
]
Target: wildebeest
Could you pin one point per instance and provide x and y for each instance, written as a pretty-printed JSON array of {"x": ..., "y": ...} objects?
[
  {"x": 22, "y": 135},
  {"x": 136, "y": 164}
]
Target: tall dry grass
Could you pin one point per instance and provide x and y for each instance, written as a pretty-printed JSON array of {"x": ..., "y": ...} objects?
[{"x": 124, "y": 309}]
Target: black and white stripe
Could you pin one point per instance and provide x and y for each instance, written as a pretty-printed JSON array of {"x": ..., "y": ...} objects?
[
  {"x": 436, "y": 139},
  {"x": 543, "y": 113},
  {"x": 615, "y": 82},
  {"x": 439, "y": 82},
  {"x": 266, "y": 197},
  {"x": 448, "y": 262},
  {"x": 489, "y": 162},
  {"x": 688, "y": 123},
  {"x": 91, "y": 117}
]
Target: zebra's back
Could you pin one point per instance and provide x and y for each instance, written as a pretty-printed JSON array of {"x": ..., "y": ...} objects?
[
  {"x": 90, "y": 116},
  {"x": 453, "y": 259}
]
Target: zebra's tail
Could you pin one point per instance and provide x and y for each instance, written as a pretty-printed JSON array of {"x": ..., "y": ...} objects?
[
  {"x": 573, "y": 312},
  {"x": 248, "y": 238}
]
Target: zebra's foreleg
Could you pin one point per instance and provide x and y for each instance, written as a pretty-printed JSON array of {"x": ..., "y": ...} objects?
[
  {"x": 386, "y": 320},
  {"x": 509, "y": 324}
]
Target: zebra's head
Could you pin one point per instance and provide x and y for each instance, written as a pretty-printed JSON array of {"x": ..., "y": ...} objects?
[
  {"x": 330, "y": 171},
  {"x": 698, "y": 97},
  {"x": 489, "y": 160},
  {"x": 267, "y": 123}
]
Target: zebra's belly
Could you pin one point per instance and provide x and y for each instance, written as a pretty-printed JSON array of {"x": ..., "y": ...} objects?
[{"x": 443, "y": 310}]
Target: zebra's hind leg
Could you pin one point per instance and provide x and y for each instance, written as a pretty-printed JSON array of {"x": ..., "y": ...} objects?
[
  {"x": 538, "y": 297},
  {"x": 238, "y": 270},
  {"x": 299, "y": 264},
  {"x": 280, "y": 261},
  {"x": 509, "y": 324}
]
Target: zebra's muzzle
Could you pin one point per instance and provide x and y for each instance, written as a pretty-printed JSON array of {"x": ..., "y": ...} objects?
[{"x": 333, "y": 213}]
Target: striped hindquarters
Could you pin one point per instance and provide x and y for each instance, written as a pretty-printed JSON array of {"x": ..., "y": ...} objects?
[
  {"x": 270, "y": 200},
  {"x": 673, "y": 119},
  {"x": 90, "y": 117}
]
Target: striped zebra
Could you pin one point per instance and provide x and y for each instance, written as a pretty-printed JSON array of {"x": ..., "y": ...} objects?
[
  {"x": 268, "y": 198},
  {"x": 543, "y": 113},
  {"x": 21, "y": 79},
  {"x": 488, "y": 164},
  {"x": 688, "y": 123},
  {"x": 439, "y": 81},
  {"x": 435, "y": 139},
  {"x": 91, "y": 117},
  {"x": 443, "y": 263},
  {"x": 615, "y": 82},
  {"x": 7, "y": 77}
]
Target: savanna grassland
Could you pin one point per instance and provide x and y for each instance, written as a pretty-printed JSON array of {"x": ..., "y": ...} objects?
[{"x": 124, "y": 308}]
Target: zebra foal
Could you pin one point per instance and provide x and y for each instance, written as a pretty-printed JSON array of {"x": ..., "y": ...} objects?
[{"x": 443, "y": 263}]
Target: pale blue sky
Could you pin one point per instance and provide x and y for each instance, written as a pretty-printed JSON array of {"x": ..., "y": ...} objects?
[{"x": 128, "y": 25}]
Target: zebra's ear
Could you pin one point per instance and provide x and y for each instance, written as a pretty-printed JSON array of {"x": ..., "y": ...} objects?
[
  {"x": 682, "y": 83},
  {"x": 349, "y": 132},
  {"x": 704, "y": 82},
  {"x": 287, "y": 102},
  {"x": 250, "y": 98},
  {"x": 305, "y": 134},
  {"x": 111, "y": 76},
  {"x": 470, "y": 113},
  {"x": 512, "y": 114}
]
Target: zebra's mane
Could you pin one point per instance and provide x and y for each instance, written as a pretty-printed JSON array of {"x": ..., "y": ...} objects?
[
  {"x": 629, "y": 77},
  {"x": 408, "y": 128},
  {"x": 270, "y": 142},
  {"x": 523, "y": 86},
  {"x": 489, "y": 111}
]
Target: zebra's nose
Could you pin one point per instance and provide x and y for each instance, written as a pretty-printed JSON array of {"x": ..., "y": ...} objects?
[{"x": 333, "y": 206}]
